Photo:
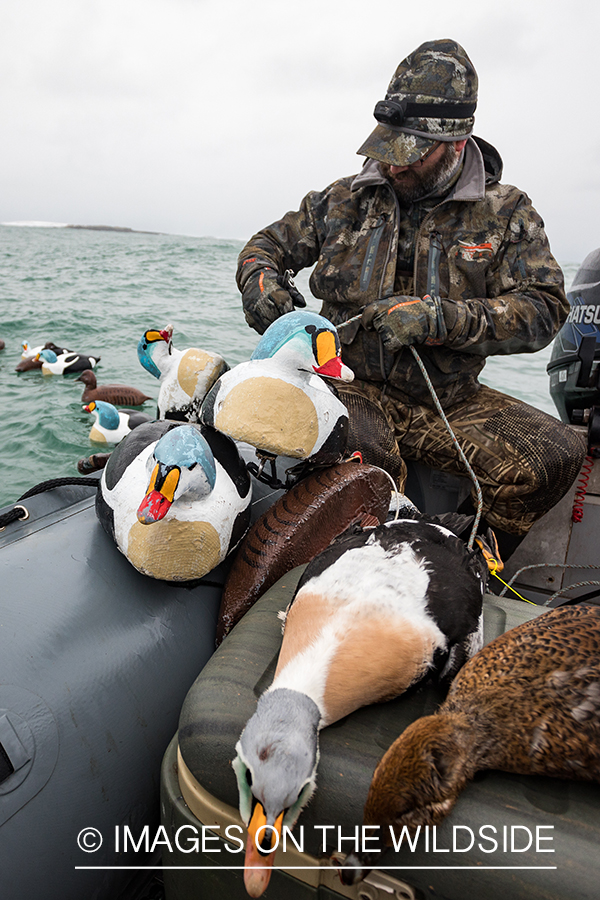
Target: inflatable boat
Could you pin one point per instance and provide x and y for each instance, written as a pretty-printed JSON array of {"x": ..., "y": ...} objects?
[{"x": 104, "y": 672}]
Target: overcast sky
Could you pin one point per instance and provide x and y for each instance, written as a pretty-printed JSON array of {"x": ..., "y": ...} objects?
[{"x": 214, "y": 117}]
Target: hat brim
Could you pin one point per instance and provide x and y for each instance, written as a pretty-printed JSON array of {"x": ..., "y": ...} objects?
[{"x": 394, "y": 147}]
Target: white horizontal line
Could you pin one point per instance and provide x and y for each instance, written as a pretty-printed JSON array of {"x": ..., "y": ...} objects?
[{"x": 312, "y": 868}]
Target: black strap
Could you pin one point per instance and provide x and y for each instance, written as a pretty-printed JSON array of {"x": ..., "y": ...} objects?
[
  {"x": 19, "y": 512},
  {"x": 394, "y": 112},
  {"x": 59, "y": 482}
]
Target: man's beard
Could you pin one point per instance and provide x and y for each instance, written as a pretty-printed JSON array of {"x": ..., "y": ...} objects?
[{"x": 415, "y": 183}]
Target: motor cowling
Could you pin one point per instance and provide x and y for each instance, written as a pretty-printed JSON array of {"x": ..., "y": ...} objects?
[{"x": 574, "y": 366}]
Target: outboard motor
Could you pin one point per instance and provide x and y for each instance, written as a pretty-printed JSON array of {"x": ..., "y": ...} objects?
[{"x": 574, "y": 366}]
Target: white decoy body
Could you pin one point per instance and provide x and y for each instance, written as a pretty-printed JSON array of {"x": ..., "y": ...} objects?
[
  {"x": 30, "y": 356},
  {"x": 185, "y": 375},
  {"x": 277, "y": 400},
  {"x": 63, "y": 363},
  {"x": 28, "y": 352},
  {"x": 375, "y": 613},
  {"x": 111, "y": 425},
  {"x": 175, "y": 498}
]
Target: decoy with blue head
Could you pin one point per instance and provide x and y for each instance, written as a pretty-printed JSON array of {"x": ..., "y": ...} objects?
[
  {"x": 64, "y": 363},
  {"x": 175, "y": 498},
  {"x": 111, "y": 425},
  {"x": 377, "y": 612},
  {"x": 279, "y": 401},
  {"x": 185, "y": 375},
  {"x": 30, "y": 356}
]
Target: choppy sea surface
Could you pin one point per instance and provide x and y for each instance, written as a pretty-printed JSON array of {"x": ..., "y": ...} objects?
[{"x": 96, "y": 292}]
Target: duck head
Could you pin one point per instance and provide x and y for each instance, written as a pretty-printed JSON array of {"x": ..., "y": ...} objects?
[
  {"x": 47, "y": 355},
  {"x": 107, "y": 415},
  {"x": 307, "y": 340},
  {"x": 182, "y": 463},
  {"x": 28, "y": 351},
  {"x": 416, "y": 784},
  {"x": 88, "y": 378},
  {"x": 275, "y": 767},
  {"x": 148, "y": 346}
]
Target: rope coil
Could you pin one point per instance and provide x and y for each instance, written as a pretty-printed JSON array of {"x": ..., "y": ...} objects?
[{"x": 581, "y": 489}]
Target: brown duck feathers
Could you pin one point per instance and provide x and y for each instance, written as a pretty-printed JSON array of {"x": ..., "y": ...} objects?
[
  {"x": 117, "y": 394},
  {"x": 298, "y": 526},
  {"x": 528, "y": 702}
]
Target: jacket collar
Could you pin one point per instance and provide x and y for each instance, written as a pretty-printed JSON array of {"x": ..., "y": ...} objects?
[{"x": 470, "y": 185}]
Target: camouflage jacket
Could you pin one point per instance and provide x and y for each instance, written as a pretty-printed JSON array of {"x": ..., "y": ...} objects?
[{"x": 482, "y": 249}]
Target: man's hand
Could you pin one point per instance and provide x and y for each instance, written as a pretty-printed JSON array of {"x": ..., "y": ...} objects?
[
  {"x": 267, "y": 296},
  {"x": 402, "y": 321}
]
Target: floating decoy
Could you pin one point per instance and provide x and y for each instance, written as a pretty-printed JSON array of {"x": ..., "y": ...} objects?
[
  {"x": 302, "y": 523},
  {"x": 62, "y": 364},
  {"x": 30, "y": 358},
  {"x": 111, "y": 425},
  {"x": 277, "y": 402},
  {"x": 185, "y": 375},
  {"x": 375, "y": 613},
  {"x": 528, "y": 702},
  {"x": 175, "y": 498},
  {"x": 117, "y": 394}
]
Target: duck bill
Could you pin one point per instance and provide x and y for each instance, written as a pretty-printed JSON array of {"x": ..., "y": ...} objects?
[
  {"x": 159, "y": 495},
  {"x": 335, "y": 368},
  {"x": 153, "y": 508},
  {"x": 258, "y": 864}
]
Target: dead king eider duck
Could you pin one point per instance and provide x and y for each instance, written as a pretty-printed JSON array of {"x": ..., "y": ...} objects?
[
  {"x": 185, "y": 375},
  {"x": 111, "y": 425},
  {"x": 175, "y": 498},
  {"x": 277, "y": 400},
  {"x": 373, "y": 614},
  {"x": 528, "y": 703},
  {"x": 117, "y": 394}
]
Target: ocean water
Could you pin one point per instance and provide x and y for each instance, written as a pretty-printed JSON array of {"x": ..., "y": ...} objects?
[{"x": 96, "y": 292}]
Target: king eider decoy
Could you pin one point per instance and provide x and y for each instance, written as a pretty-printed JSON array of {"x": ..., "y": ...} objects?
[
  {"x": 117, "y": 394},
  {"x": 30, "y": 356},
  {"x": 277, "y": 400},
  {"x": 111, "y": 425},
  {"x": 175, "y": 498},
  {"x": 376, "y": 612},
  {"x": 63, "y": 363},
  {"x": 528, "y": 702},
  {"x": 185, "y": 375}
]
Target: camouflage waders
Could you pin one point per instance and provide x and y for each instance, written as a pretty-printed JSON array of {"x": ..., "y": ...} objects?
[{"x": 524, "y": 463}]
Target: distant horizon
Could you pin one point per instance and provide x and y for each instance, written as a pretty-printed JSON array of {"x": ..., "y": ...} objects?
[
  {"x": 124, "y": 229},
  {"x": 119, "y": 229}
]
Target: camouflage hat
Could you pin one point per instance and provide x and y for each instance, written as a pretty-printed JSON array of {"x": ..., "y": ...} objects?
[{"x": 432, "y": 97}]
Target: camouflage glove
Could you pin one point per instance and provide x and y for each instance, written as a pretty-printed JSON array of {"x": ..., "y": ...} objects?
[
  {"x": 402, "y": 321},
  {"x": 267, "y": 296}
]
